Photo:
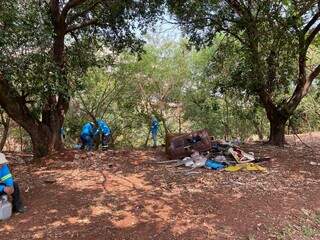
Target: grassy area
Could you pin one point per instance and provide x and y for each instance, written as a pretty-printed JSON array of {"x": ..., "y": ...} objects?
[{"x": 308, "y": 227}]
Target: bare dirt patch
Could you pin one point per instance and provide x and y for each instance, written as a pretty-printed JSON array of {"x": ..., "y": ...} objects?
[{"x": 125, "y": 195}]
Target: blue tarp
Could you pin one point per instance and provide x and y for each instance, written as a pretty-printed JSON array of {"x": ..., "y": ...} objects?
[{"x": 211, "y": 164}]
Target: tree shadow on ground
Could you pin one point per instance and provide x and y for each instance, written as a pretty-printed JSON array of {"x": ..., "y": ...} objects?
[{"x": 124, "y": 195}]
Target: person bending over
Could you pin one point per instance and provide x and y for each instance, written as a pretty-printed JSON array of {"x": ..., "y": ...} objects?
[
  {"x": 105, "y": 131},
  {"x": 86, "y": 136}
]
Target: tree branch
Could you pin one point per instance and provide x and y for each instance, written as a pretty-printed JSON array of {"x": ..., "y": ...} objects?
[
  {"x": 3, "y": 121},
  {"x": 311, "y": 22},
  {"x": 54, "y": 10},
  {"x": 87, "y": 110},
  {"x": 107, "y": 105},
  {"x": 236, "y": 6},
  {"x": 302, "y": 89},
  {"x": 10, "y": 101},
  {"x": 74, "y": 17},
  {"x": 266, "y": 100},
  {"x": 73, "y": 28},
  {"x": 312, "y": 36},
  {"x": 306, "y": 8},
  {"x": 314, "y": 74},
  {"x": 69, "y": 5}
]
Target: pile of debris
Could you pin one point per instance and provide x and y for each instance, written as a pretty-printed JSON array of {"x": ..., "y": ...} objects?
[{"x": 198, "y": 149}]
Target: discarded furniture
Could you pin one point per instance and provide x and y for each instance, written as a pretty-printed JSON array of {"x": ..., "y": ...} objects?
[{"x": 181, "y": 146}]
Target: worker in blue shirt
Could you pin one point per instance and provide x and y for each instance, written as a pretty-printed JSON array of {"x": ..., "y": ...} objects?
[
  {"x": 86, "y": 136},
  {"x": 8, "y": 186},
  {"x": 105, "y": 131},
  {"x": 154, "y": 130}
]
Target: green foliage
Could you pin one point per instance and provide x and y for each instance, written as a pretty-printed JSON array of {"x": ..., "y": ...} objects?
[
  {"x": 218, "y": 87},
  {"x": 129, "y": 92},
  {"x": 170, "y": 82},
  {"x": 27, "y": 36},
  {"x": 184, "y": 88},
  {"x": 307, "y": 116},
  {"x": 262, "y": 51},
  {"x": 273, "y": 37}
]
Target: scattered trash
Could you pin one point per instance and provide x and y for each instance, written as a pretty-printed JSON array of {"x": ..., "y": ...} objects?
[
  {"x": 196, "y": 160},
  {"x": 5, "y": 208},
  {"x": 187, "y": 161},
  {"x": 239, "y": 155},
  {"x": 214, "y": 165},
  {"x": 196, "y": 150},
  {"x": 261, "y": 159},
  {"x": 245, "y": 166},
  {"x": 182, "y": 145},
  {"x": 220, "y": 158}
]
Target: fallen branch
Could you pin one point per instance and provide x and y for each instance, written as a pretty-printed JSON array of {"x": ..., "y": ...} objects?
[
  {"x": 169, "y": 161},
  {"x": 303, "y": 142},
  {"x": 308, "y": 146}
]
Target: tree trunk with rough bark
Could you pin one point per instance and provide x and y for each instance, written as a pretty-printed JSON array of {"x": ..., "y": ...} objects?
[
  {"x": 278, "y": 114},
  {"x": 147, "y": 139},
  {"x": 45, "y": 133},
  {"x": 42, "y": 143},
  {"x": 277, "y": 132},
  {"x": 5, "y": 133}
]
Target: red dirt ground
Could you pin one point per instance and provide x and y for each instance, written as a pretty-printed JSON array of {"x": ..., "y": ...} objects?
[{"x": 126, "y": 195}]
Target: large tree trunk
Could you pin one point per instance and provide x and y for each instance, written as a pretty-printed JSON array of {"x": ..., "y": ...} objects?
[
  {"x": 277, "y": 117},
  {"x": 277, "y": 132},
  {"x": 57, "y": 104},
  {"x": 52, "y": 118},
  {"x": 278, "y": 114},
  {"x": 42, "y": 144},
  {"x": 44, "y": 134},
  {"x": 6, "y": 125}
]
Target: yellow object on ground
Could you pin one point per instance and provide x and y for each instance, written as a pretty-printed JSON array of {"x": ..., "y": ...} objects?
[
  {"x": 246, "y": 166},
  {"x": 233, "y": 168}
]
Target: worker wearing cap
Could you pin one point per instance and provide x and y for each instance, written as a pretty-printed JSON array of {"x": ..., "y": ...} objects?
[{"x": 8, "y": 186}]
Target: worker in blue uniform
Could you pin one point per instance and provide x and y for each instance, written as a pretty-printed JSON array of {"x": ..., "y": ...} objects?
[
  {"x": 154, "y": 130},
  {"x": 8, "y": 186},
  {"x": 87, "y": 133},
  {"x": 105, "y": 132}
]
